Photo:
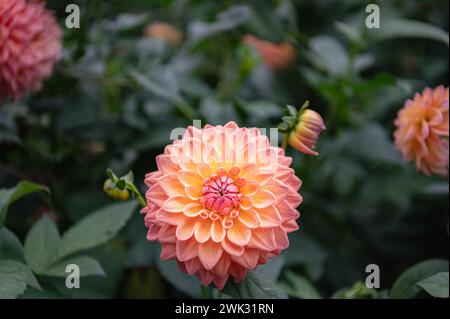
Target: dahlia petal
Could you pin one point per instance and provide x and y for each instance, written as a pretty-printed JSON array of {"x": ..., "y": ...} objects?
[
  {"x": 222, "y": 267},
  {"x": 192, "y": 209},
  {"x": 189, "y": 178},
  {"x": 290, "y": 226},
  {"x": 231, "y": 248},
  {"x": 202, "y": 230},
  {"x": 239, "y": 234},
  {"x": 281, "y": 238},
  {"x": 250, "y": 218},
  {"x": 204, "y": 170},
  {"x": 250, "y": 188},
  {"x": 168, "y": 251},
  {"x": 263, "y": 199},
  {"x": 185, "y": 230},
  {"x": 169, "y": 218},
  {"x": 218, "y": 233},
  {"x": 249, "y": 259},
  {"x": 263, "y": 239},
  {"x": 192, "y": 266},
  {"x": 187, "y": 249},
  {"x": 220, "y": 282},
  {"x": 170, "y": 185},
  {"x": 209, "y": 254},
  {"x": 193, "y": 192},
  {"x": 269, "y": 216},
  {"x": 175, "y": 204}
]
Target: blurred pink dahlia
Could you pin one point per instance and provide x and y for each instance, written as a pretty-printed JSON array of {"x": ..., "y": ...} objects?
[
  {"x": 30, "y": 45},
  {"x": 277, "y": 56},
  {"x": 221, "y": 202},
  {"x": 422, "y": 131}
]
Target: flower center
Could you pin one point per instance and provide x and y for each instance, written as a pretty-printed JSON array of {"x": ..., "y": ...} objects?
[{"x": 220, "y": 193}]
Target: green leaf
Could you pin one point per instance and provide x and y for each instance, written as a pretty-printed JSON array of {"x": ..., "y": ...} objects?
[
  {"x": 88, "y": 267},
  {"x": 14, "y": 278},
  {"x": 436, "y": 285},
  {"x": 183, "y": 282},
  {"x": 41, "y": 245},
  {"x": 406, "y": 285},
  {"x": 298, "y": 286},
  {"x": 226, "y": 20},
  {"x": 96, "y": 228},
  {"x": 254, "y": 286},
  {"x": 328, "y": 54},
  {"x": 9, "y": 196},
  {"x": 401, "y": 28},
  {"x": 10, "y": 246}
]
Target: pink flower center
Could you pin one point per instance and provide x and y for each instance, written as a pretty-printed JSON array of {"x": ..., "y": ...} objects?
[{"x": 220, "y": 193}]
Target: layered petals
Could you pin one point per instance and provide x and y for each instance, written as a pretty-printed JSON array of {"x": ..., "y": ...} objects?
[
  {"x": 221, "y": 216},
  {"x": 422, "y": 129}
]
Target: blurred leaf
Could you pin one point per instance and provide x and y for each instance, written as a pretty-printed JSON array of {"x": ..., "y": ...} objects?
[
  {"x": 372, "y": 142},
  {"x": 254, "y": 286},
  {"x": 183, "y": 282},
  {"x": 400, "y": 28},
  {"x": 8, "y": 136},
  {"x": 96, "y": 228},
  {"x": 437, "y": 189},
  {"x": 125, "y": 21},
  {"x": 328, "y": 54},
  {"x": 298, "y": 286},
  {"x": 436, "y": 285},
  {"x": 272, "y": 269},
  {"x": 9, "y": 196},
  {"x": 41, "y": 244},
  {"x": 14, "y": 277},
  {"x": 349, "y": 31},
  {"x": 303, "y": 250},
  {"x": 216, "y": 112},
  {"x": 10, "y": 246},
  {"x": 406, "y": 285},
  {"x": 226, "y": 20},
  {"x": 88, "y": 267}
]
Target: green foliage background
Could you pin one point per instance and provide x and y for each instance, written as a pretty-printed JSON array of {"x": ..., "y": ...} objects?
[{"x": 116, "y": 95}]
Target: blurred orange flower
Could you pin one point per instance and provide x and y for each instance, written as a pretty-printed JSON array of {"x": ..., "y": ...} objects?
[
  {"x": 164, "y": 31},
  {"x": 422, "y": 131},
  {"x": 277, "y": 56},
  {"x": 30, "y": 45}
]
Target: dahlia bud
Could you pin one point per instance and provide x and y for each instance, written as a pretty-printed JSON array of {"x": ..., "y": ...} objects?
[
  {"x": 113, "y": 190},
  {"x": 302, "y": 129},
  {"x": 30, "y": 45},
  {"x": 164, "y": 31},
  {"x": 121, "y": 188}
]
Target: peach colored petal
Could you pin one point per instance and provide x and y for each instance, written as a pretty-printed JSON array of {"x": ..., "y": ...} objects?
[
  {"x": 209, "y": 254},
  {"x": 239, "y": 234},
  {"x": 175, "y": 204},
  {"x": 185, "y": 230},
  {"x": 250, "y": 218},
  {"x": 202, "y": 230},
  {"x": 263, "y": 199}
]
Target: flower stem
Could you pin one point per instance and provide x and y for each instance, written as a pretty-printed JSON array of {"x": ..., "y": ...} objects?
[
  {"x": 205, "y": 292},
  {"x": 136, "y": 192},
  {"x": 285, "y": 142}
]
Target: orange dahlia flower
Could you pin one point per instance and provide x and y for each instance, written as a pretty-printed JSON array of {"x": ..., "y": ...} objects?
[
  {"x": 422, "y": 131},
  {"x": 30, "y": 45},
  {"x": 221, "y": 202},
  {"x": 277, "y": 56}
]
